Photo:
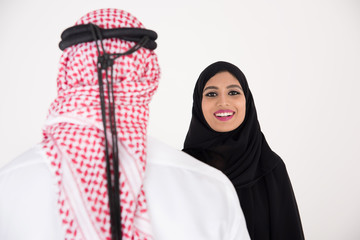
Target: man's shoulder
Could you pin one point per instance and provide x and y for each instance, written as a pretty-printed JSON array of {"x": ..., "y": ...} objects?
[
  {"x": 180, "y": 173},
  {"x": 26, "y": 179},
  {"x": 31, "y": 162},
  {"x": 28, "y": 198},
  {"x": 183, "y": 192},
  {"x": 27, "y": 173},
  {"x": 160, "y": 154}
]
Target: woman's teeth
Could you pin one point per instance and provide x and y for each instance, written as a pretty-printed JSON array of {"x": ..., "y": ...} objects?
[{"x": 226, "y": 114}]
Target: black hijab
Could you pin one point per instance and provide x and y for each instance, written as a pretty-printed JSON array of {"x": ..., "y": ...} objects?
[{"x": 243, "y": 153}]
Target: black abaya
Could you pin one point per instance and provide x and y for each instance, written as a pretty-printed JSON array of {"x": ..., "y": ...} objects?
[{"x": 243, "y": 155}]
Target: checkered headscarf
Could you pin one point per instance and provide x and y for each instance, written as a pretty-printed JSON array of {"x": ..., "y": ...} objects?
[{"x": 74, "y": 134}]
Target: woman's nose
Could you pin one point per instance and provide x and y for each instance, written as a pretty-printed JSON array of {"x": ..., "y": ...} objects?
[{"x": 222, "y": 100}]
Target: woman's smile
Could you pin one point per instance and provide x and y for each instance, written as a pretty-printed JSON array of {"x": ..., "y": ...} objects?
[{"x": 224, "y": 115}]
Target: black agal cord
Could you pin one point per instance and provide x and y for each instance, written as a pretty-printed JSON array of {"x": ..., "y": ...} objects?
[{"x": 104, "y": 64}]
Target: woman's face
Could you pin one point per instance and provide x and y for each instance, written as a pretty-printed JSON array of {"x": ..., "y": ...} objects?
[{"x": 223, "y": 102}]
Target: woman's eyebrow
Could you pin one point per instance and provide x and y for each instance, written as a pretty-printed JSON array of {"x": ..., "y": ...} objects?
[
  {"x": 234, "y": 86},
  {"x": 210, "y": 87}
]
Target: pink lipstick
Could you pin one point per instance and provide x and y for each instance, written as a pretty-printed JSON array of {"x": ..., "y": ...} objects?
[{"x": 224, "y": 115}]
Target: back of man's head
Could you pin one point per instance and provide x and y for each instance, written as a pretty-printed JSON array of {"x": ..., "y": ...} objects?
[{"x": 93, "y": 97}]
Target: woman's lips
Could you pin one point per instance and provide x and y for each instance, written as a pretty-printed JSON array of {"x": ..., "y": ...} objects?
[{"x": 224, "y": 115}]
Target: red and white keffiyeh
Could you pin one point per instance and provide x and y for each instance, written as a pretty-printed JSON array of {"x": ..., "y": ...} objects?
[{"x": 74, "y": 134}]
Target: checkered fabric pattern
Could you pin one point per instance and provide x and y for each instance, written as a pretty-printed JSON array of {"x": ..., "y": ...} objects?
[{"x": 74, "y": 134}]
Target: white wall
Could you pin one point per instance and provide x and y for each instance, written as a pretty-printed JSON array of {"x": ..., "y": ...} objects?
[{"x": 301, "y": 58}]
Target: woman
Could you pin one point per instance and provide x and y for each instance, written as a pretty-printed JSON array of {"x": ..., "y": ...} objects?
[{"x": 225, "y": 133}]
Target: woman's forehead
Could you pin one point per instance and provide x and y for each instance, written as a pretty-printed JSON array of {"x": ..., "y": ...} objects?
[{"x": 222, "y": 79}]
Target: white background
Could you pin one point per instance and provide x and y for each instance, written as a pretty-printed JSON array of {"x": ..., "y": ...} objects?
[{"x": 301, "y": 58}]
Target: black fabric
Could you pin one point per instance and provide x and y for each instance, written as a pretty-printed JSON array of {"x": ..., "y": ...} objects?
[
  {"x": 104, "y": 63},
  {"x": 83, "y": 33},
  {"x": 243, "y": 155}
]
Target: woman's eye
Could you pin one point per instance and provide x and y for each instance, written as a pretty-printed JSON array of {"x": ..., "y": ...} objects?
[
  {"x": 211, "y": 94},
  {"x": 234, "y": 93}
]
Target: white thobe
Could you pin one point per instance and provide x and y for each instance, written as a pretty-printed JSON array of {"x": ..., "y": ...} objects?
[{"x": 187, "y": 199}]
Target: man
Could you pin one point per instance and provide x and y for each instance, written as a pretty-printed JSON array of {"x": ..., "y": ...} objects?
[{"x": 87, "y": 178}]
